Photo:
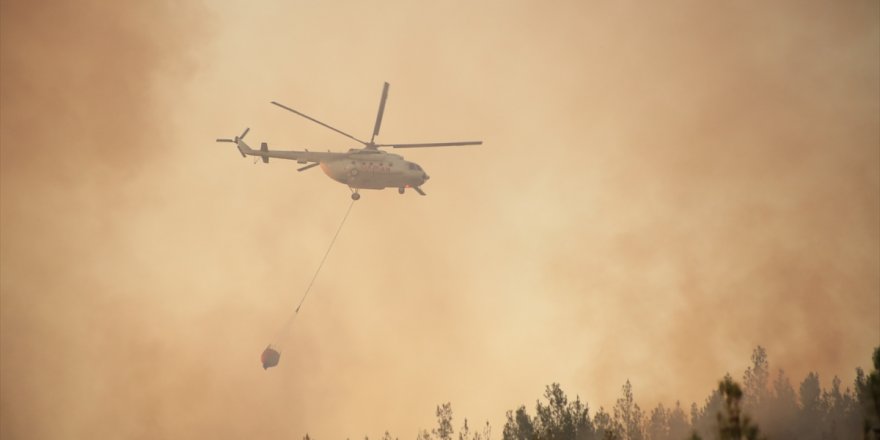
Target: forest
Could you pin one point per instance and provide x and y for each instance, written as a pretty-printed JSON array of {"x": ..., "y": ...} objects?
[{"x": 760, "y": 406}]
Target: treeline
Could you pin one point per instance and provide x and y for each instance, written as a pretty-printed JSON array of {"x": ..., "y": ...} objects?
[{"x": 761, "y": 407}]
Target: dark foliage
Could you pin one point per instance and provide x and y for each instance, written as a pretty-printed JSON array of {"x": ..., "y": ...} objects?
[{"x": 760, "y": 408}]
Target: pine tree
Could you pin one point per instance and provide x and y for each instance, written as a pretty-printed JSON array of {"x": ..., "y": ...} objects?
[
  {"x": 606, "y": 427},
  {"x": 811, "y": 414},
  {"x": 868, "y": 393},
  {"x": 679, "y": 427},
  {"x": 843, "y": 417},
  {"x": 779, "y": 414},
  {"x": 628, "y": 414},
  {"x": 561, "y": 419},
  {"x": 735, "y": 425},
  {"x": 704, "y": 418},
  {"x": 444, "y": 429},
  {"x": 658, "y": 424},
  {"x": 519, "y": 426},
  {"x": 756, "y": 379}
]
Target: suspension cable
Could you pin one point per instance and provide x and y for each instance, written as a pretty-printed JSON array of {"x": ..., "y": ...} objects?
[{"x": 284, "y": 330}]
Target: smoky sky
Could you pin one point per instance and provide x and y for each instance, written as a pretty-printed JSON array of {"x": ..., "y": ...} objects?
[{"x": 661, "y": 188}]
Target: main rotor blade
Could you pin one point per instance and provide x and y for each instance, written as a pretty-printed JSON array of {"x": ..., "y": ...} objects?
[
  {"x": 381, "y": 112},
  {"x": 318, "y": 122},
  {"x": 431, "y": 144}
]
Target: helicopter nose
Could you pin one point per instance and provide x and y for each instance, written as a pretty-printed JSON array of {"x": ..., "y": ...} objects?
[{"x": 425, "y": 177}]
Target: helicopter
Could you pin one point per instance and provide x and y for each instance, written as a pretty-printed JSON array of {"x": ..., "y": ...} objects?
[{"x": 359, "y": 168}]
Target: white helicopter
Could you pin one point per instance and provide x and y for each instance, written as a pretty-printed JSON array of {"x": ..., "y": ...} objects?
[{"x": 359, "y": 168}]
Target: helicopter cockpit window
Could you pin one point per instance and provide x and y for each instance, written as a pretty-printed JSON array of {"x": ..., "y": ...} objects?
[{"x": 413, "y": 166}]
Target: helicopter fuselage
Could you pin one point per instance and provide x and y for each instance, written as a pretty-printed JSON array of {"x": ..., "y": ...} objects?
[{"x": 366, "y": 169}]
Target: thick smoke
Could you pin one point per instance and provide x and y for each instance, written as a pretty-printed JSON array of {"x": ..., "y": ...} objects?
[
  {"x": 85, "y": 346},
  {"x": 661, "y": 189}
]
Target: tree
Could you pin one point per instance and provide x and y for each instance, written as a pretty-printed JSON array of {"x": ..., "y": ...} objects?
[
  {"x": 812, "y": 413},
  {"x": 679, "y": 427},
  {"x": 557, "y": 419},
  {"x": 444, "y": 429},
  {"x": 628, "y": 414},
  {"x": 658, "y": 424},
  {"x": 606, "y": 427},
  {"x": 735, "y": 425},
  {"x": 779, "y": 414},
  {"x": 519, "y": 426},
  {"x": 843, "y": 418},
  {"x": 561, "y": 419},
  {"x": 704, "y": 419},
  {"x": 464, "y": 431},
  {"x": 756, "y": 379},
  {"x": 868, "y": 394},
  {"x": 695, "y": 415},
  {"x": 668, "y": 424}
]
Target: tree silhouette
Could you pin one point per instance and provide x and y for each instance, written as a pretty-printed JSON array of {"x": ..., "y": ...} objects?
[
  {"x": 487, "y": 431},
  {"x": 704, "y": 419},
  {"x": 519, "y": 425},
  {"x": 606, "y": 426},
  {"x": 735, "y": 425},
  {"x": 560, "y": 419},
  {"x": 810, "y": 413},
  {"x": 444, "y": 422},
  {"x": 679, "y": 427},
  {"x": 658, "y": 424},
  {"x": 557, "y": 419},
  {"x": 464, "y": 431},
  {"x": 868, "y": 392},
  {"x": 756, "y": 379},
  {"x": 844, "y": 418},
  {"x": 628, "y": 414},
  {"x": 779, "y": 413}
]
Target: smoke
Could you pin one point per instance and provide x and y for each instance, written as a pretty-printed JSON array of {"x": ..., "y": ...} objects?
[
  {"x": 661, "y": 189},
  {"x": 739, "y": 197},
  {"x": 86, "y": 349}
]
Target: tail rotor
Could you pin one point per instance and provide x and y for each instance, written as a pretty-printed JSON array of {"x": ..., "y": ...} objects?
[{"x": 238, "y": 141}]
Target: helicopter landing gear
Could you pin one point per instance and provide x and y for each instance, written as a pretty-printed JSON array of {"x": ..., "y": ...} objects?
[{"x": 401, "y": 190}]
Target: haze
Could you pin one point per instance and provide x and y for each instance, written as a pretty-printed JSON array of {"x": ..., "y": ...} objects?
[{"x": 661, "y": 188}]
